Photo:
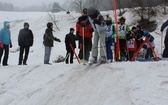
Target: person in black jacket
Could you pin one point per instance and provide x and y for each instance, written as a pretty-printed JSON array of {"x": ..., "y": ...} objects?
[
  {"x": 48, "y": 42},
  {"x": 165, "y": 52},
  {"x": 25, "y": 40},
  {"x": 70, "y": 40}
]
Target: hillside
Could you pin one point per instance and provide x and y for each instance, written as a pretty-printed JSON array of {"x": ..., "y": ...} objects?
[{"x": 123, "y": 83}]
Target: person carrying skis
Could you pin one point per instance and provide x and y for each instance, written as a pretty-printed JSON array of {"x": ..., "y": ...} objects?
[
  {"x": 48, "y": 42},
  {"x": 84, "y": 35},
  {"x": 25, "y": 40},
  {"x": 131, "y": 43},
  {"x": 70, "y": 41},
  {"x": 99, "y": 26},
  {"x": 110, "y": 38},
  {"x": 123, "y": 29},
  {"x": 5, "y": 42},
  {"x": 149, "y": 53},
  {"x": 165, "y": 51}
]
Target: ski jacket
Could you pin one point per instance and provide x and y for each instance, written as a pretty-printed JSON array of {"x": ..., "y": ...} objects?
[
  {"x": 70, "y": 39},
  {"x": 123, "y": 30},
  {"x": 164, "y": 25},
  {"x": 5, "y": 34},
  {"x": 49, "y": 38},
  {"x": 25, "y": 37},
  {"x": 98, "y": 23},
  {"x": 87, "y": 31},
  {"x": 131, "y": 41}
]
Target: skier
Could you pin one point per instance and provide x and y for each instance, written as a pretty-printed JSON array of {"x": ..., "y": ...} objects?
[
  {"x": 25, "y": 40},
  {"x": 99, "y": 26},
  {"x": 48, "y": 42},
  {"x": 123, "y": 29},
  {"x": 84, "y": 35},
  {"x": 149, "y": 53},
  {"x": 131, "y": 43},
  {"x": 165, "y": 52},
  {"x": 70, "y": 40},
  {"x": 110, "y": 38},
  {"x": 5, "y": 42}
]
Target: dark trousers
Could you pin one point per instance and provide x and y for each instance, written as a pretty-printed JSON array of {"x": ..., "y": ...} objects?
[
  {"x": 87, "y": 48},
  {"x": 71, "y": 54},
  {"x": 123, "y": 47},
  {"x": 5, "y": 59},
  {"x": 22, "y": 50},
  {"x": 108, "y": 50},
  {"x": 165, "y": 53},
  {"x": 149, "y": 53},
  {"x": 130, "y": 55}
]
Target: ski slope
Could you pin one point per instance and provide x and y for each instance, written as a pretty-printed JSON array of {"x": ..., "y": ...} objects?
[{"x": 123, "y": 83}]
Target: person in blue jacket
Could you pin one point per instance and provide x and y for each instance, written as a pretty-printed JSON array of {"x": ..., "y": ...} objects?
[{"x": 5, "y": 42}]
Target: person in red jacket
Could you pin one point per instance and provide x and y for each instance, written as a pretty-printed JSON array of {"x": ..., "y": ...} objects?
[{"x": 84, "y": 35}]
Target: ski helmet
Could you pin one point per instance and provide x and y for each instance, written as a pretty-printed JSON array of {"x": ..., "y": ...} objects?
[
  {"x": 122, "y": 19},
  {"x": 92, "y": 12},
  {"x": 145, "y": 33}
]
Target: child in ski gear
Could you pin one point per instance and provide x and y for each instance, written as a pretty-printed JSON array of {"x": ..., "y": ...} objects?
[
  {"x": 131, "y": 43},
  {"x": 99, "y": 26},
  {"x": 149, "y": 53},
  {"x": 70, "y": 40},
  {"x": 5, "y": 40},
  {"x": 165, "y": 51},
  {"x": 110, "y": 38},
  {"x": 123, "y": 29},
  {"x": 25, "y": 40},
  {"x": 84, "y": 35},
  {"x": 48, "y": 42}
]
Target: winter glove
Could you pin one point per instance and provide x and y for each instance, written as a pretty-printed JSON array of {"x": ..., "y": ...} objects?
[
  {"x": 56, "y": 39},
  {"x": 1, "y": 45},
  {"x": 91, "y": 30},
  {"x": 10, "y": 45},
  {"x": 96, "y": 21}
]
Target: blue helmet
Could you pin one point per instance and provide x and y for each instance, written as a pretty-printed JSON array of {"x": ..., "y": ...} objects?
[{"x": 145, "y": 33}]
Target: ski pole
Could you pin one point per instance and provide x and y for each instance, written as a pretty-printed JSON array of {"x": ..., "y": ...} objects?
[
  {"x": 75, "y": 53},
  {"x": 83, "y": 43}
]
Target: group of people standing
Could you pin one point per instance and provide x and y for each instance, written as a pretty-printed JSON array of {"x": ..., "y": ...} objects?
[
  {"x": 104, "y": 40},
  {"x": 25, "y": 40}
]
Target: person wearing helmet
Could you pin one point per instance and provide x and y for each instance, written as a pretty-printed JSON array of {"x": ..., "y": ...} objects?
[
  {"x": 48, "y": 40},
  {"x": 123, "y": 29},
  {"x": 165, "y": 51},
  {"x": 99, "y": 26},
  {"x": 149, "y": 53},
  {"x": 25, "y": 40},
  {"x": 110, "y": 38},
  {"x": 84, "y": 35}
]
